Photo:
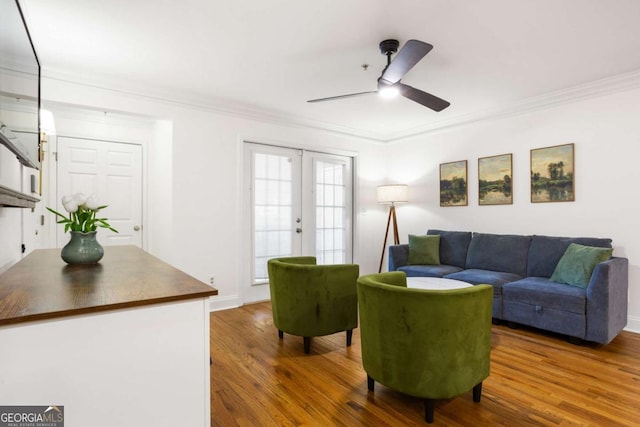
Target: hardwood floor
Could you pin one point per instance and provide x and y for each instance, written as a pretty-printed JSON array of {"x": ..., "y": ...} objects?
[{"x": 537, "y": 379}]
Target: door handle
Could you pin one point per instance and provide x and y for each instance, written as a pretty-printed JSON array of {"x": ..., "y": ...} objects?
[
  {"x": 298, "y": 230},
  {"x": 136, "y": 228}
]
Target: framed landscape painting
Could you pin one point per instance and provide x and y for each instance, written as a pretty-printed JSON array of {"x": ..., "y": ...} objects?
[
  {"x": 495, "y": 175},
  {"x": 453, "y": 183},
  {"x": 552, "y": 174}
]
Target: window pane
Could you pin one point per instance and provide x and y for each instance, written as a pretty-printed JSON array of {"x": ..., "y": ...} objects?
[
  {"x": 260, "y": 191},
  {"x": 272, "y": 212},
  {"x": 284, "y": 218},
  {"x": 330, "y": 211},
  {"x": 273, "y": 167},
  {"x": 285, "y": 168},
  {"x": 328, "y": 195},
  {"x": 319, "y": 217},
  {"x": 339, "y": 195},
  {"x": 260, "y": 166},
  {"x": 260, "y": 268},
  {"x": 338, "y": 218},
  {"x": 338, "y": 175},
  {"x": 261, "y": 243},
  {"x": 328, "y": 218}
]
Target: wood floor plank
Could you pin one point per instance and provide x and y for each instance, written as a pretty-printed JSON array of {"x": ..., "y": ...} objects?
[{"x": 537, "y": 379}]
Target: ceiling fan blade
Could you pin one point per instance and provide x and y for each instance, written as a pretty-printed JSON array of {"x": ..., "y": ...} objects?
[
  {"x": 331, "y": 98},
  {"x": 412, "y": 52},
  {"x": 423, "y": 98}
]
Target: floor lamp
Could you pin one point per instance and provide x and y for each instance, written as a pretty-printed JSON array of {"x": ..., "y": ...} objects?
[{"x": 390, "y": 195}]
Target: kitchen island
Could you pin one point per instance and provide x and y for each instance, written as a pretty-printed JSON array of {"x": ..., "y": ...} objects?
[{"x": 122, "y": 342}]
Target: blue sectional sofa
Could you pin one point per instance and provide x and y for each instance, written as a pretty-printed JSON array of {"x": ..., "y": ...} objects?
[{"x": 519, "y": 268}]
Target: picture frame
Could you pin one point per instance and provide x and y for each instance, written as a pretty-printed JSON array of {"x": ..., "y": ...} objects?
[
  {"x": 453, "y": 184},
  {"x": 553, "y": 174},
  {"x": 495, "y": 180}
]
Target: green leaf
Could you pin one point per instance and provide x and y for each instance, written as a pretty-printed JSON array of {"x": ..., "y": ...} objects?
[
  {"x": 83, "y": 220},
  {"x": 57, "y": 213}
]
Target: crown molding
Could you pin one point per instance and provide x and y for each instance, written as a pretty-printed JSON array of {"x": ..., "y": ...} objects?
[
  {"x": 602, "y": 87},
  {"x": 210, "y": 104}
]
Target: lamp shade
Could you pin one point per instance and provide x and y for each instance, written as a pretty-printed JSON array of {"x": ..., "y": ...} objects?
[
  {"x": 390, "y": 194},
  {"x": 47, "y": 125}
]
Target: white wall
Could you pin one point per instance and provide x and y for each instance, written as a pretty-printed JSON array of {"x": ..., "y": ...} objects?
[
  {"x": 193, "y": 176},
  {"x": 606, "y": 134}
]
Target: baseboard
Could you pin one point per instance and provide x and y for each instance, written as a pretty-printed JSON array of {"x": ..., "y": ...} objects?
[
  {"x": 633, "y": 324},
  {"x": 7, "y": 266},
  {"x": 224, "y": 303}
]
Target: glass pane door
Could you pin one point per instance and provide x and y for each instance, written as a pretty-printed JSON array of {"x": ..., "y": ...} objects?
[
  {"x": 273, "y": 210},
  {"x": 297, "y": 203},
  {"x": 332, "y": 210}
]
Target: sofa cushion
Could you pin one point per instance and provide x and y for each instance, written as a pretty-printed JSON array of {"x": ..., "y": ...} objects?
[
  {"x": 476, "y": 277},
  {"x": 499, "y": 252},
  {"x": 453, "y": 246},
  {"x": 428, "y": 270},
  {"x": 424, "y": 250},
  {"x": 546, "y": 251},
  {"x": 540, "y": 291},
  {"x": 577, "y": 264}
]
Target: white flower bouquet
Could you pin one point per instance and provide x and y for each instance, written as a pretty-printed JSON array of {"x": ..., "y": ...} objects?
[{"x": 82, "y": 214}]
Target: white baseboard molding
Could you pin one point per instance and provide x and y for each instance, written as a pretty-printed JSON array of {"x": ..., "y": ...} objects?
[
  {"x": 224, "y": 303},
  {"x": 633, "y": 324},
  {"x": 7, "y": 266}
]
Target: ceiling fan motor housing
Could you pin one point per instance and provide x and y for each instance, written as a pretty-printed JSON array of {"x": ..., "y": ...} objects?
[{"x": 389, "y": 47}]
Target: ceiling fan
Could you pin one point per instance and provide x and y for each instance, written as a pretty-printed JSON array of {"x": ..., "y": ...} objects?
[{"x": 389, "y": 81}]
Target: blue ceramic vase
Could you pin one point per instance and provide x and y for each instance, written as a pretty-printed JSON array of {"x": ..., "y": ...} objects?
[{"x": 83, "y": 248}]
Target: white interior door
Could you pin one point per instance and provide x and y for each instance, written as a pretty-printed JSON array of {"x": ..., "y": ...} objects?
[
  {"x": 273, "y": 212},
  {"x": 297, "y": 202},
  {"x": 329, "y": 209},
  {"x": 113, "y": 172}
]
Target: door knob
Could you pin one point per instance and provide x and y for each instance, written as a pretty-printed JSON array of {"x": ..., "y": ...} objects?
[
  {"x": 298, "y": 230},
  {"x": 136, "y": 228}
]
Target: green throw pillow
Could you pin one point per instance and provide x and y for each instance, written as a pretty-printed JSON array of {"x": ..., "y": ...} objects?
[
  {"x": 577, "y": 264},
  {"x": 424, "y": 250}
]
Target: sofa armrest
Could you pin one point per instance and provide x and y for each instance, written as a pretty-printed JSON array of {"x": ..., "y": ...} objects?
[
  {"x": 398, "y": 256},
  {"x": 607, "y": 299}
]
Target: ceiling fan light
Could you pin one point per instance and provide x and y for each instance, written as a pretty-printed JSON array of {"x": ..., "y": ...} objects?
[{"x": 388, "y": 91}]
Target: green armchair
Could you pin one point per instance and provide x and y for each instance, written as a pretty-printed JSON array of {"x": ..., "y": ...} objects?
[
  {"x": 312, "y": 300},
  {"x": 424, "y": 343}
]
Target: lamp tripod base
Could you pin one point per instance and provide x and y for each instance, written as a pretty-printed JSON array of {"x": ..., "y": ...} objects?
[{"x": 396, "y": 238}]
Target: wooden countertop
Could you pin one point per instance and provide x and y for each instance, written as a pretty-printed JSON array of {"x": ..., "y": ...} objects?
[{"x": 42, "y": 286}]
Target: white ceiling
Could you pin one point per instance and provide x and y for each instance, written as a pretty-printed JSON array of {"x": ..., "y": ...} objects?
[{"x": 266, "y": 58}]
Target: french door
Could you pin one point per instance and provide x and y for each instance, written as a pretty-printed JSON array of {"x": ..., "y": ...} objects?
[{"x": 297, "y": 202}]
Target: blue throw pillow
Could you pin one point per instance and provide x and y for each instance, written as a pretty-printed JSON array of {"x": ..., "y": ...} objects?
[
  {"x": 424, "y": 250},
  {"x": 577, "y": 264}
]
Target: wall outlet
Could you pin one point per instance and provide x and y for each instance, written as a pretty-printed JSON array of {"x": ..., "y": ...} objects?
[{"x": 212, "y": 279}]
